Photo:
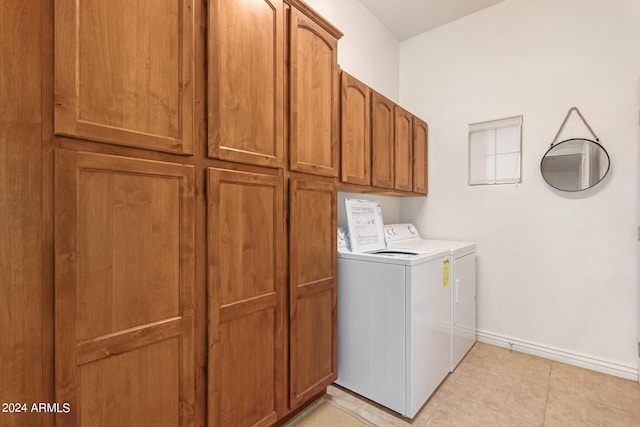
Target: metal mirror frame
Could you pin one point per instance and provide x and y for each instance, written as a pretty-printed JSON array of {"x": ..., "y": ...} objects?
[
  {"x": 555, "y": 144},
  {"x": 596, "y": 143}
]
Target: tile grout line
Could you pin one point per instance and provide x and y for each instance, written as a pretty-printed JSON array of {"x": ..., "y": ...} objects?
[
  {"x": 333, "y": 401},
  {"x": 435, "y": 408},
  {"x": 546, "y": 402},
  {"x": 526, "y": 371},
  {"x": 509, "y": 375}
]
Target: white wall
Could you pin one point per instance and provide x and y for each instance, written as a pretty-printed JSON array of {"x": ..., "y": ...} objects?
[
  {"x": 370, "y": 53},
  {"x": 367, "y": 51},
  {"x": 557, "y": 271}
]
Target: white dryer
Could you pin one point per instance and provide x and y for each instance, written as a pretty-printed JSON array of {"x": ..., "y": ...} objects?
[
  {"x": 393, "y": 316},
  {"x": 462, "y": 275}
]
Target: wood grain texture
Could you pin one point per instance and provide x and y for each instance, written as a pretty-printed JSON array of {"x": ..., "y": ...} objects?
[
  {"x": 246, "y": 290},
  {"x": 314, "y": 97},
  {"x": 124, "y": 72},
  {"x": 312, "y": 288},
  {"x": 246, "y": 81},
  {"x": 403, "y": 149},
  {"x": 24, "y": 368},
  {"x": 315, "y": 16},
  {"x": 420, "y": 156},
  {"x": 355, "y": 141},
  {"x": 141, "y": 387},
  {"x": 123, "y": 290},
  {"x": 382, "y": 141}
]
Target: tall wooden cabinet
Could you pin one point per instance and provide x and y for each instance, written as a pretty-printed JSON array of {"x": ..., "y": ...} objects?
[
  {"x": 169, "y": 184},
  {"x": 246, "y": 298},
  {"x": 312, "y": 288},
  {"x": 314, "y": 124},
  {"x": 124, "y": 227},
  {"x": 262, "y": 363}
]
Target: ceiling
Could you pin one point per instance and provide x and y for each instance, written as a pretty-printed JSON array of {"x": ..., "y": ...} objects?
[{"x": 408, "y": 18}]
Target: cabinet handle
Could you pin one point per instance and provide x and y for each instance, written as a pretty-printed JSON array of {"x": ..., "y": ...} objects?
[{"x": 457, "y": 290}]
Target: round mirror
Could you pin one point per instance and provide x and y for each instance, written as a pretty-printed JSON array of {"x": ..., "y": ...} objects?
[{"x": 575, "y": 164}]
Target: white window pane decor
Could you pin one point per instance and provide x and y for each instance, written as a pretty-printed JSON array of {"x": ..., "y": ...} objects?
[{"x": 495, "y": 150}]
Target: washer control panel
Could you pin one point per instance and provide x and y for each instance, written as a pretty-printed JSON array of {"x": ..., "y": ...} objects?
[{"x": 398, "y": 232}]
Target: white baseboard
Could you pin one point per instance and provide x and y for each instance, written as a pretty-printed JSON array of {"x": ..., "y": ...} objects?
[{"x": 560, "y": 355}]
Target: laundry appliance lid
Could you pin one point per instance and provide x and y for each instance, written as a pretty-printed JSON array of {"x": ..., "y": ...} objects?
[{"x": 365, "y": 224}]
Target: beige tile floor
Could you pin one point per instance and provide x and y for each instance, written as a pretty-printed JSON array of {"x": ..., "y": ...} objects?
[{"x": 493, "y": 386}]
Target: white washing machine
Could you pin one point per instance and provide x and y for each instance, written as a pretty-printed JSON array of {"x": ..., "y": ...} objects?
[
  {"x": 462, "y": 276},
  {"x": 393, "y": 316}
]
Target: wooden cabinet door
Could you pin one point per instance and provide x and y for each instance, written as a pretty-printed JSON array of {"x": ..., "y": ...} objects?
[
  {"x": 312, "y": 289},
  {"x": 382, "y": 136},
  {"x": 124, "y": 278},
  {"x": 314, "y": 103},
  {"x": 355, "y": 141},
  {"x": 246, "y": 297},
  {"x": 124, "y": 72},
  {"x": 246, "y": 81},
  {"x": 420, "y": 155},
  {"x": 403, "y": 151}
]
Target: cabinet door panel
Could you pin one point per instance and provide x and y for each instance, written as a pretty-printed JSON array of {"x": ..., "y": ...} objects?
[
  {"x": 420, "y": 156},
  {"x": 124, "y": 290},
  {"x": 403, "y": 150},
  {"x": 314, "y": 100},
  {"x": 382, "y": 136},
  {"x": 355, "y": 141},
  {"x": 313, "y": 286},
  {"x": 124, "y": 72},
  {"x": 246, "y": 298},
  {"x": 246, "y": 81},
  {"x": 99, "y": 385}
]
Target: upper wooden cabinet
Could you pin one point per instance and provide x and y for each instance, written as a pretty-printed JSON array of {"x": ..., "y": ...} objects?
[
  {"x": 382, "y": 146},
  {"x": 355, "y": 141},
  {"x": 124, "y": 73},
  {"x": 403, "y": 154},
  {"x": 397, "y": 156},
  {"x": 314, "y": 93},
  {"x": 246, "y": 81},
  {"x": 246, "y": 290},
  {"x": 420, "y": 155},
  {"x": 124, "y": 291}
]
